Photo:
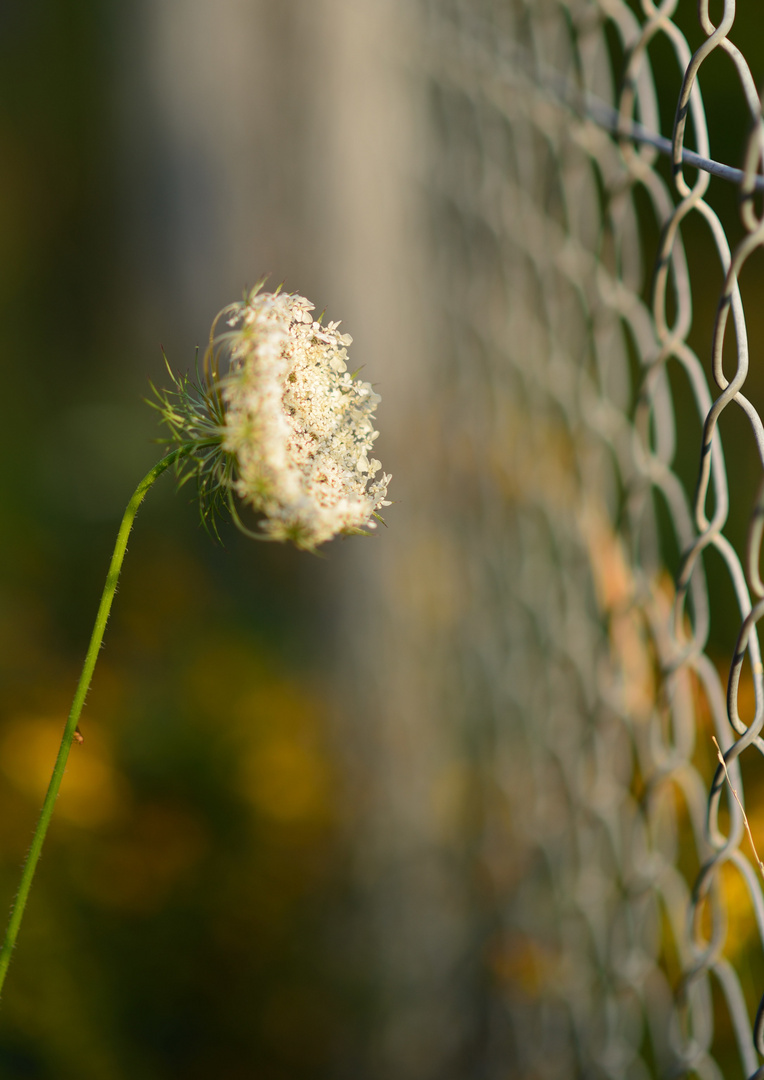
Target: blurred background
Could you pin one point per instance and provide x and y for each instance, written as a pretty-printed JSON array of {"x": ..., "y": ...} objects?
[
  {"x": 293, "y": 843},
  {"x": 196, "y": 910}
]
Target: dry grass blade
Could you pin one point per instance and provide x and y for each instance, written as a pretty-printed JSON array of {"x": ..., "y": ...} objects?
[{"x": 723, "y": 764}]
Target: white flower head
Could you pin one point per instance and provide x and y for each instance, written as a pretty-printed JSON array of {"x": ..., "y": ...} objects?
[{"x": 294, "y": 429}]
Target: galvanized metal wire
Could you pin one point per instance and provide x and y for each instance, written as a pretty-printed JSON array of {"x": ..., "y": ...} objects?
[{"x": 625, "y": 929}]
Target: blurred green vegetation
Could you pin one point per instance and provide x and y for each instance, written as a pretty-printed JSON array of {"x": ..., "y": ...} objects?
[{"x": 185, "y": 917}]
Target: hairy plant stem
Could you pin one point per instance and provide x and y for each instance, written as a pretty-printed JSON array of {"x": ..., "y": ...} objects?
[{"x": 33, "y": 856}]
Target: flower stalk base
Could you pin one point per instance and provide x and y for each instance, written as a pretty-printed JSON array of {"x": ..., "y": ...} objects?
[{"x": 70, "y": 730}]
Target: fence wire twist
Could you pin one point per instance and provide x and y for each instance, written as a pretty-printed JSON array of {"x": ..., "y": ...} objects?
[{"x": 628, "y": 924}]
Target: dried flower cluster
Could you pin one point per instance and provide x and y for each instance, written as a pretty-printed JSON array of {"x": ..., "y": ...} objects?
[{"x": 294, "y": 429}]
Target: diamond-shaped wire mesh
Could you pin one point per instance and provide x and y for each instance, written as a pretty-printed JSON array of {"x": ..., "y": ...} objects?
[{"x": 583, "y": 399}]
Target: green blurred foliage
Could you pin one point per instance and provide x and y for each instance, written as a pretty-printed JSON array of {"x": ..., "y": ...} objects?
[{"x": 183, "y": 920}]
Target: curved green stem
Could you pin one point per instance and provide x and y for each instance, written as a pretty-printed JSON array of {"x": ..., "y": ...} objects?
[{"x": 17, "y": 911}]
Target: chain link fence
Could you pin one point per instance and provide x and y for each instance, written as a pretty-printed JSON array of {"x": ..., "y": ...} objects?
[
  {"x": 587, "y": 575},
  {"x": 629, "y": 932}
]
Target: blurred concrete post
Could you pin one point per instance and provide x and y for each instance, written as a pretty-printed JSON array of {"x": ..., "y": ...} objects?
[{"x": 398, "y": 601}]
